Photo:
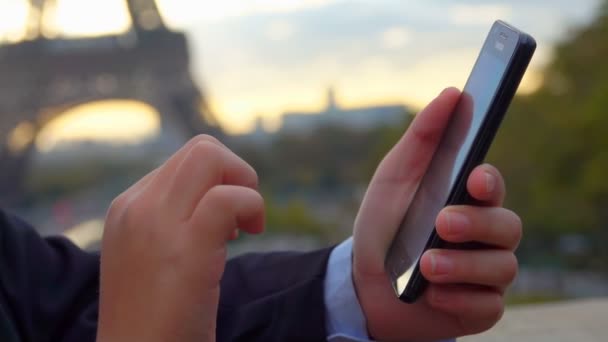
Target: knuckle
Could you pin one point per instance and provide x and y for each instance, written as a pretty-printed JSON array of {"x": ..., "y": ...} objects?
[
  {"x": 117, "y": 206},
  {"x": 130, "y": 216},
  {"x": 517, "y": 227},
  {"x": 204, "y": 149},
  {"x": 205, "y": 138},
  {"x": 205, "y": 155},
  {"x": 510, "y": 269},
  {"x": 136, "y": 214},
  {"x": 116, "y": 211},
  {"x": 255, "y": 180},
  {"x": 254, "y": 173}
]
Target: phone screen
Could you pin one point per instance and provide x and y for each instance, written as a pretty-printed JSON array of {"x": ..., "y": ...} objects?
[{"x": 449, "y": 159}]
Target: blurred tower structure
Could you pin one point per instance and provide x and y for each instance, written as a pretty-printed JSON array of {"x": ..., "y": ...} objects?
[{"x": 42, "y": 77}]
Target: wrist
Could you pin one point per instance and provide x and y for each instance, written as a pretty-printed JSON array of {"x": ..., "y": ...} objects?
[
  {"x": 377, "y": 300},
  {"x": 359, "y": 287},
  {"x": 356, "y": 279}
]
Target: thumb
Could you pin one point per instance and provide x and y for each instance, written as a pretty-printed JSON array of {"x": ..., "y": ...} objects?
[{"x": 396, "y": 181}]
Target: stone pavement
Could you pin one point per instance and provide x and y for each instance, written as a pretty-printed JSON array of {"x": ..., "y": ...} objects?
[{"x": 575, "y": 321}]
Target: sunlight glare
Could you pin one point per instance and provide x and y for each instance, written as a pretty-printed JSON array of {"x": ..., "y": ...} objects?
[
  {"x": 111, "y": 121},
  {"x": 86, "y": 233},
  {"x": 180, "y": 12},
  {"x": 86, "y": 18},
  {"x": 532, "y": 81},
  {"x": 21, "y": 136},
  {"x": 13, "y": 19}
]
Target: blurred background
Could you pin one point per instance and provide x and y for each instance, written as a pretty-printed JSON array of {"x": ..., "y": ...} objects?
[{"x": 96, "y": 93}]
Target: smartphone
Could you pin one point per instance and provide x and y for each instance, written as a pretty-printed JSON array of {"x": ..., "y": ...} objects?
[{"x": 487, "y": 94}]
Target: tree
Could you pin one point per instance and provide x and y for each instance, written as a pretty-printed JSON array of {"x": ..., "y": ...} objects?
[{"x": 553, "y": 146}]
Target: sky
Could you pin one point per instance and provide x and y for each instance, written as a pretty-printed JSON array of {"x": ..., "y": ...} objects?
[
  {"x": 262, "y": 58},
  {"x": 265, "y": 58}
]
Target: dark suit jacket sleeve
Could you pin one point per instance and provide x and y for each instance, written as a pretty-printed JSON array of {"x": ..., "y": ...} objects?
[
  {"x": 48, "y": 287},
  {"x": 273, "y": 297},
  {"x": 49, "y": 292}
]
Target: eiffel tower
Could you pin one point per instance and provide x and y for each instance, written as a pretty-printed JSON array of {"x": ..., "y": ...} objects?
[{"x": 41, "y": 78}]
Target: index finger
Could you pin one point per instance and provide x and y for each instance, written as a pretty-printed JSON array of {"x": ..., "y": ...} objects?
[{"x": 410, "y": 157}]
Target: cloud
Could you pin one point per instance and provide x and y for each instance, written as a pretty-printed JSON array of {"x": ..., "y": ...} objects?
[
  {"x": 376, "y": 80},
  {"x": 13, "y": 18},
  {"x": 395, "y": 38},
  {"x": 280, "y": 30},
  {"x": 481, "y": 14}
]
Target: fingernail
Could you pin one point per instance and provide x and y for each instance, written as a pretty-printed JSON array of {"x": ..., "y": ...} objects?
[
  {"x": 457, "y": 222},
  {"x": 440, "y": 264},
  {"x": 490, "y": 182}
]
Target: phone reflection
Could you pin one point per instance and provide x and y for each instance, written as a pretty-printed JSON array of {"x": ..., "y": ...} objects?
[{"x": 431, "y": 196}]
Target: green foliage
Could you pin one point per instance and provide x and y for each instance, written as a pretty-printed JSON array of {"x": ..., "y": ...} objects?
[
  {"x": 553, "y": 146},
  {"x": 300, "y": 173},
  {"x": 334, "y": 159},
  {"x": 294, "y": 217},
  {"x": 69, "y": 179}
]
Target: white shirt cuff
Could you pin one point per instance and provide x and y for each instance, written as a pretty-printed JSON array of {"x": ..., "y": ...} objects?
[{"x": 344, "y": 317}]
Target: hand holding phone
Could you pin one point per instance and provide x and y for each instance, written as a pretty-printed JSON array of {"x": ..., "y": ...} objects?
[{"x": 490, "y": 88}]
